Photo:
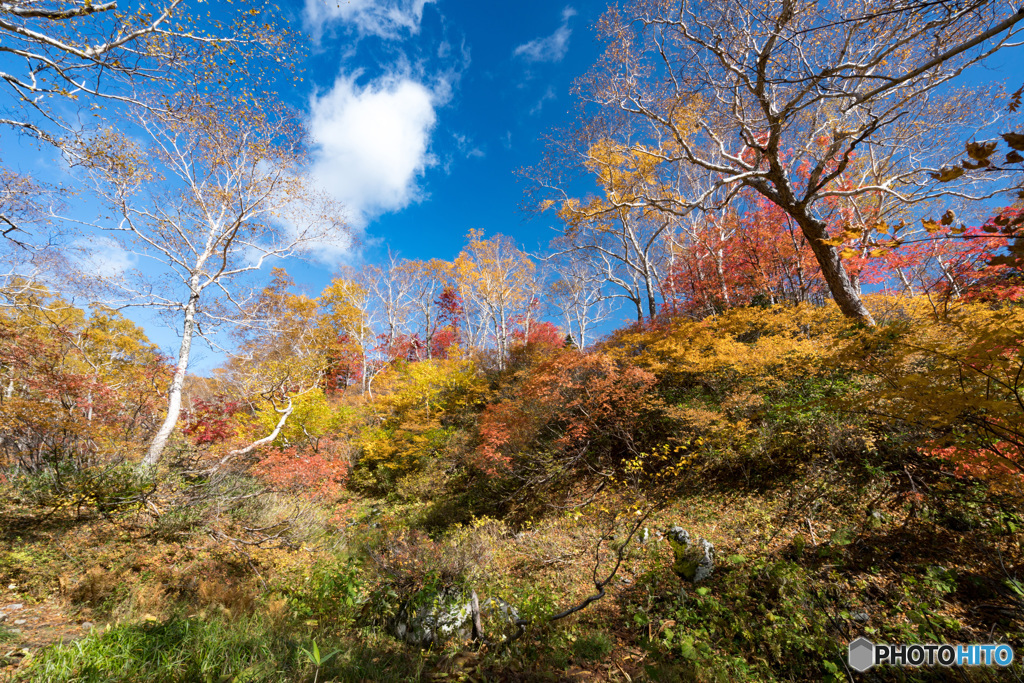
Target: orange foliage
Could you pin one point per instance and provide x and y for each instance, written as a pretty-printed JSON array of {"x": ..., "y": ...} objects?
[
  {"x": 321, "y": 472},
  {"x": 570, "y": 403}
]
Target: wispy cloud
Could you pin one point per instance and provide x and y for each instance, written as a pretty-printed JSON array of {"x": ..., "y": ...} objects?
[
  {"x": 103, "y": 257},
  {"x": 385, "y": 18},
  {"x": 373, "y": 142},
  {"x": 549, "y": 48},
  {"x": 548, "y": 96},
  {"x": 466, "y": 147}
]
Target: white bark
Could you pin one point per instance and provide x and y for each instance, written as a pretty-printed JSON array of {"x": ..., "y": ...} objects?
[{"x": 159, "y": 442}]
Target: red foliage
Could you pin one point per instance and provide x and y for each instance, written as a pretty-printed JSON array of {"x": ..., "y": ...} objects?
[
  {"x": 563, "y": 403},
  {"x": 544, "y": 334},
  {"x": 452, "y": 311},
  {"x": 210, "y": 422},
  {"x": 344, "y": 365},
  {"x": 442, "y": 342},
  {"x": 945, "y": 265},
  {"x": 322, "y": 472},
  {"x": 69, "y": 394},
  {"x": 739, "y": 259}
]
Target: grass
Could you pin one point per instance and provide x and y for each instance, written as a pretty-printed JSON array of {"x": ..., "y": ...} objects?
[
  {"x": 177, "y": 650},
  {"x": 778, "y": 606}
]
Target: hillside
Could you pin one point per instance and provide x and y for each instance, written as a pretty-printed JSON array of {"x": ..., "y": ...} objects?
[{"x": 792, "y": 440}]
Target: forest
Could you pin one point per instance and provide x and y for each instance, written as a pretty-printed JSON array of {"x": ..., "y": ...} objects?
[{"x": 762, "y": 394}]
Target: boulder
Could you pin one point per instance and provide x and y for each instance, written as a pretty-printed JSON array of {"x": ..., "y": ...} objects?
[
  {"x": 425, "y": 622},
  {"x": 679, "y": 535},
  {"x": 501, "y": 619},
  {"x": 694, "y": 562}
]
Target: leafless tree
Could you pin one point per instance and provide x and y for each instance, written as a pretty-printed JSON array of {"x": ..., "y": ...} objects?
[{"x": 575, "y": 293}]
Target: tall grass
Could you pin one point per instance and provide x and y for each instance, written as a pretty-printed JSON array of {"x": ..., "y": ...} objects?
[{"x": 182, "y": 649}]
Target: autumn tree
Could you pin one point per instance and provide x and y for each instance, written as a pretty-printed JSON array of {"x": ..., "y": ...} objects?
[
  {"x": 751, "y": 253},
  {"x": 496, "y": 283},
  {"x": 217, "y": 192},
  {"x": 63, "y": 63},
  {"x": 77, "y": 389},
  {"x": 348, "y": 308},
  {"x": 615, "y": 229},
  {"x": 280, "y": 356},
  {"x": 803, "y": 103},
  {"x": 574, "y": 292},
  {"x": 427, "y": 282},
  {"x": 391, "y": 285},
  {"x": 569, "y": 418}
]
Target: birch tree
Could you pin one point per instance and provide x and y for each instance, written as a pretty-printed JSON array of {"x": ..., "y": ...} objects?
[
  {"x": 427, "y": 279},
  {"x": 59, "y": 55},
  {"x": 68, "y": 67},
  {"x": 497, "y": 284},
  {"x": 575, "y": 294},
  {"x": 215, "y": 194}
]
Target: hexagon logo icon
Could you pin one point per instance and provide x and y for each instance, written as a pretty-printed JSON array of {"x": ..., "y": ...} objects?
[{"x": 862, "y": 654}]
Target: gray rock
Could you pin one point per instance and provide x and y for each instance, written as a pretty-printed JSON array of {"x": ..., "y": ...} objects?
[
  {"x": 500, "y": 620},
  {"x": 693, "y": 561},
  {"x": 679, "y": 535},
  {"x": 447, "y": 615},
  {"x": 860, "y": 617},
  {"x": 16, "y": 606},
  {"x": 19, "y": 622},
  {"x": 496, "y": 608},
  {"x": 87, "y": 624}
]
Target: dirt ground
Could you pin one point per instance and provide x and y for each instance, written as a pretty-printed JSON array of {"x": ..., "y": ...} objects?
[{"x": 33, "y": 627}]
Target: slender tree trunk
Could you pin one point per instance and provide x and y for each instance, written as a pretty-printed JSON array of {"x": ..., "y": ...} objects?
[
  {"x": 652, "y": 304},
  {"x": 718, "y": 258},
  {"x": 156, "y": 447},
  {"x": 843, "y": 289},
  {"x": 947, "y": 274},
  {"x": 905, "y": 282}
]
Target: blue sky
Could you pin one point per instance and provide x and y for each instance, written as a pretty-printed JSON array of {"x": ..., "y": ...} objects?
[
  {"x": 470, "y": 89},
  {"x": 466, "y": 88},
  {"x": 422, "y": 111}
]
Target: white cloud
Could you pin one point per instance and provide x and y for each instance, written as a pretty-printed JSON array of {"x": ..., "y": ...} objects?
[
  {"x": 102, "y": 257},
  {"x": 373, "y": 143},
  {"x": 384, "y": 18},
  {"x": 550, "y": 48}
]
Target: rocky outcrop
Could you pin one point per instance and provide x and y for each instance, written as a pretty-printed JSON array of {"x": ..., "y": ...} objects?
[
  {"x": 694, "y": 561},
  {"x": 436, "y": 619}
]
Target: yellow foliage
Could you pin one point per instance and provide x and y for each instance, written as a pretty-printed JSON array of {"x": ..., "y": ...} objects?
[
  {"x": 957, "y": 372},
  {"x": 765, "y": 346},
  {"x": 413, "y": 415}
]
